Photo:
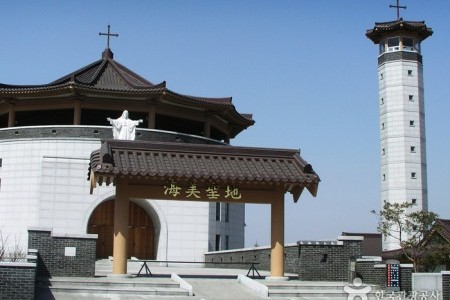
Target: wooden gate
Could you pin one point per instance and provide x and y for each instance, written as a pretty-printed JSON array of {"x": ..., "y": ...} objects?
[{"x": 140, "y": 231}]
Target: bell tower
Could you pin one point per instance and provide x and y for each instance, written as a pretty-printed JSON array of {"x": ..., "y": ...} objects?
[{"x": 402, "y": 114}]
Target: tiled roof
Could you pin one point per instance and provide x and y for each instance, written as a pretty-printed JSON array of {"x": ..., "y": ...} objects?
[
  {"x": 211, "y": 163},
  {"x": 384, "y": 28},
  {"x": 444, "y": 228},
  {"x": 106, "y": 77}
]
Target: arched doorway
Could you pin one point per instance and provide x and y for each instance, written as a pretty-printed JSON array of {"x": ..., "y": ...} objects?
[{"x": 140, "y": 242}]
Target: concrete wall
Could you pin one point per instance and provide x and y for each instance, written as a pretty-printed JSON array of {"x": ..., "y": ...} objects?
[
  {"x": 63, "y": 255},
  {"x": 17, "y": 280},
  {"x": 44, "y": 184}
]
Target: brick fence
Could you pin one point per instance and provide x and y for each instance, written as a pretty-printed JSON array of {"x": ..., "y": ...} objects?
[
  {"x": 17, "y": 280},
  {"x": 373, "y": 271},
  {"x": 311, "y": 260},
  {"x": 63, "y": 255},
  {"x": 445, "y": 285}
]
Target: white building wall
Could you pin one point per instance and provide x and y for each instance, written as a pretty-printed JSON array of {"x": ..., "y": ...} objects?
[
  {"x": 402, "y": 138},
  {"x": 44, "y": 183}
]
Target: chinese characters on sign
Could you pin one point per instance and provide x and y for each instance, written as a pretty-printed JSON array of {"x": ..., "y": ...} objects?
[{"x": 193, "y": 192}]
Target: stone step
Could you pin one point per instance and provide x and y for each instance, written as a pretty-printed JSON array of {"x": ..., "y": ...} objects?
[
  {"x": 315, "y": 290},
  {"x": 314, "y": 294},
  {"x": 105, "y": 281},
  {"x": 125, "y": 286}
]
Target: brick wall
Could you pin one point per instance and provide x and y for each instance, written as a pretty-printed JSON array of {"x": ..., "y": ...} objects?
[
  {"x": 54, "y": 257},
  {"x": 305, "y": 258},
  {"x": 328, "y": 260},
  {"x": 372, "y": 271},
  {"x": 242, "y": 258},
  {"x": 17, "y": 280},
  {"x": 445, "y": 285}
]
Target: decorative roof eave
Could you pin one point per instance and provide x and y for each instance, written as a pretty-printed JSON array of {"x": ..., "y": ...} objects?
[
  {"x": 72, "y": 88},
  {"x": 384, "y": 28},
  {"x": 223, "y": 106},
  {"x": 257, "y": 167}
]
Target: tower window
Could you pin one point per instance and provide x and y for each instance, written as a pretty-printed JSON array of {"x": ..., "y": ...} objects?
[
  {"x": 413, "y": 149},
  {"x": 414, "y": 201},
  {"x": 381, "y": 76},
  {"x": 383, "y": 151},
  {"x": 393, "y": 44},
  {"x": 382, "y": 126},
  {"x": 411, "y": 98},
  {"x": 413, "y": 175},
  {"x": 410, "y": 72},
  {"x": 408, "y": 44},
  {"x": 384, "y": 177},
  {"x": 411, "y": 123},
  {"x": 0, "y": 162},
  {"x": 382, "y": 101}
]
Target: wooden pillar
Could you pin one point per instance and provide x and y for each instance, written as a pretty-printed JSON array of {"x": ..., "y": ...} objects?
[
  {"x": 121, "y": 207},
  {"x": 207, "y": 129},
  {"x": 277, "y": 237},
  {"x": 77, "y": 113},
  {"x": 151, "y": 117},
  {"x": 11, "y": 116}
]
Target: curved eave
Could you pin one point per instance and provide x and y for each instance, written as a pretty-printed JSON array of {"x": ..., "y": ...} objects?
[
  {"x": 223, "y": 106},
  {"x": 203, "y": 163},
  {"x": 382, "y": 29},
  {"x": 72, "y": 89}
]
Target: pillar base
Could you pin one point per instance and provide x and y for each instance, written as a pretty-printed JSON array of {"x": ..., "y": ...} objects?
[
  {"x": 118, "y": 276},
  {"x": 273, "y": 278}
]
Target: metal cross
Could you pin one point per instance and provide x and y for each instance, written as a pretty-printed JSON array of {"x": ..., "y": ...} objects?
[
  {"x": 108, "y": 34},
  {"x": 398, "y": 8}
]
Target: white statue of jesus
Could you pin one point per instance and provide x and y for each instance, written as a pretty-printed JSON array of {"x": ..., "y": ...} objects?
[{"x": 123, "y": 127}]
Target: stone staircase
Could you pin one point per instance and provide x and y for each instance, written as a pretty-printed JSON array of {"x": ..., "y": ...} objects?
[
  {"x": 98, "y": 286},
  {"x": 317, "y": 290}
]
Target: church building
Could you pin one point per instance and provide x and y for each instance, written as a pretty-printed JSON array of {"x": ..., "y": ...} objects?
[{"x": 47, "y": 135}]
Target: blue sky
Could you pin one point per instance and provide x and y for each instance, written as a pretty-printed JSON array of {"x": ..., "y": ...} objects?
[{"x": 303, "y": 68}]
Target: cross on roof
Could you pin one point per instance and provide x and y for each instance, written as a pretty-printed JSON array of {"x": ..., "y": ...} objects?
[
  {"x": 398, "y": 8},
  {"x": 108, "y": 34}
]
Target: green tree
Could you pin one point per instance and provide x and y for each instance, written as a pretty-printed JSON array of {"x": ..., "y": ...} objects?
[{"x": 408, "y": 228}]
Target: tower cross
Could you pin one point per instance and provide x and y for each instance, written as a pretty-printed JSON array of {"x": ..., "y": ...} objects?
[
  {"x": 398, "y": 8},
  {"x": 108, "y": 35}
]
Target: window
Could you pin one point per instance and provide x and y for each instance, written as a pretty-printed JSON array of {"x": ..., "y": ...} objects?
[
  {"x": 227, "y": 242},
  {"x": 384, "y": 177},
  {"x": 217, "y": 242},
  {"x": 0, "y": 162},
  {"x": 382, "y": 126},
  {"x": 411, "y": 123},
  {"x": 413, "y": 149},
  {"x": 382, "y": 101},
  {"x": 414, "y": 201},
  {"x": 383, "y": 151},
  {"x": 227, "y": 212},
  {"x": 381, "y": 76},
  {"x": 413, "y": 175},
  {"x": 382, "y": 47},
  {"x": 411, "y": 98},
  {"x": 393, "y": 44},
  {"x": 217, "y": 211},
  {"x": 408, "y": 44},
  {"x": 409, "y": 72}
]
